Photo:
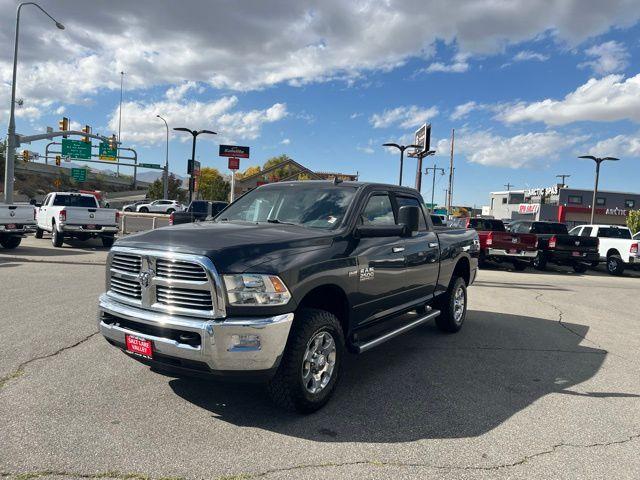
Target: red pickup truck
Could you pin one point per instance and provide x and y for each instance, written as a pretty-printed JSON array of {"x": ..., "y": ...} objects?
[{"x": 501, "y": 246}]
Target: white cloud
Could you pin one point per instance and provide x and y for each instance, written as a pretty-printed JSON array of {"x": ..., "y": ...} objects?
[
  {"x": 404, "y": 117},
  {"x": 523, "y": 150},
  {"x": 459, "y": 64},
  {"x": 176, "y": 93},
  {"x": 619, "y": 146},
  {"x": 355, "y": 115},
  {"x": 463, "y": 110},
  {"x": 607, "y": 99},
  {"x": 140, "y": 125},
  {"x": 526, "y": 55},
  {"x": 286, "y": 141},
  {"x": 608, "y": 57}
]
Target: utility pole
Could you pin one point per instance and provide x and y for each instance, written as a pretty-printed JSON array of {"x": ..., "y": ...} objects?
[
  {"x": 563, "y": 177},
  {"x": 120, "y": 118},
  {"x": 451, "y": 169},
  {"x": 508, "y": 186},
  {"x": 434, "y": 169},
  {"x": 165, "y": 173}
]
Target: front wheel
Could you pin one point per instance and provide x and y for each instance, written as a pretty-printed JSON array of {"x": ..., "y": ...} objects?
[
  {"x": 310, "y": 367},
  {"x": 453, "y": 307},
  {"x": 171, "y": 210},
  {"x": 10, "y": 242},
  {"x": 615, "y": 265},
  {"x": 39, "y": 232}
]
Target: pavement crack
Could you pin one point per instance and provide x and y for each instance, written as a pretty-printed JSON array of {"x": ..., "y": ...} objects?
[{"x": 18, "y": 372}]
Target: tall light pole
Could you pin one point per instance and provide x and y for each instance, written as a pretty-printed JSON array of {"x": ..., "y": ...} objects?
[
  {"x": 195, "y": 134},
  {"x": 598, "y": 161},
  {"x": 402, "y": 148},
  {"x": 165, "y": 174},
  {"x": 120, "y": 120},
  {"x": 11, "y": 131},
  {"x": 434, "y": 169}
]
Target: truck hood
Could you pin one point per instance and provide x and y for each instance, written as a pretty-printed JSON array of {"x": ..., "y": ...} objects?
[{"x": 233, "y": 247}]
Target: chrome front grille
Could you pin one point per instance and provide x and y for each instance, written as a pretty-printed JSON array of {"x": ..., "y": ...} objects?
[
  {"x": 174, "y": 283},
  {"x": 180, "y": 270}
]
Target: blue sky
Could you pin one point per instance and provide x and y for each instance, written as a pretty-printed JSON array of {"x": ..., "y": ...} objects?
[{"x": 527, "y": 89}]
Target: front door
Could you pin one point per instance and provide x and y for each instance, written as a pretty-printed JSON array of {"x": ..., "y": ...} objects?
[{"x": 380, "y": 262}]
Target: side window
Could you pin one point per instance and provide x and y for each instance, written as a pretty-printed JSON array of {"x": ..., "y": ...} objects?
[
  {"x": 586, "y": 232},
  {"x": 575, "y": 231},
  {"x": 46, "y": 200},
  {"x": 378, "y": 211},
  {"x": 402, "y": 201}
]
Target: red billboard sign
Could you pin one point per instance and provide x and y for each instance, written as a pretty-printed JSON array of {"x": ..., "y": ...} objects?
[{"x": 234, "y": 163}]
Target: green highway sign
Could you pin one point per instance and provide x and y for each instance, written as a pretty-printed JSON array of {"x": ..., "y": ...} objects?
[
  {"x": 79, "y": 174},
  {"x": 150, "y": 165},
  {"x": 107, "y": 153},
  {"x": 76, "y": 149}
]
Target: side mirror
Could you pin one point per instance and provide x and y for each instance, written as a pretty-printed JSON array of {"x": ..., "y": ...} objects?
[
  {"x": 409, "y": 217},
  {"x": 376, "y": 231}
]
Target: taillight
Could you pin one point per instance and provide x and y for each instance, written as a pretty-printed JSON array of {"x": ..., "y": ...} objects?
[
  {"x": 634, "y": 248},
  {"x": 117, "y": 216},
  {"x": 171, "y": 219},
  {"x": 489, "y": 238},
  {"x": 552, "y": 242},
  {"x": 62, "y": 216}
]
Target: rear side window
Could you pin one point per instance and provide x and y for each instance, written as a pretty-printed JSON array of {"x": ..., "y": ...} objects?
[
  {"x": 586, "y": 232},
  {"x": 613, "y": 232},
  {"x": 378, "y": 211},
  {"x": 486, "y": 224},
  {"x": 402, "y": 201},
  {"x": 74, "y": 201},
  {"x": 549, "y": 228},
  {"x": 199, "y": 207}
]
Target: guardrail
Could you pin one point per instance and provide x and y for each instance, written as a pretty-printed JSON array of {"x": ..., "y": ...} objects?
[{"x": 133, "y": 222}]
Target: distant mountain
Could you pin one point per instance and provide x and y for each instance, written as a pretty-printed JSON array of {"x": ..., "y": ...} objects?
[{"x": 153, "y": 175}]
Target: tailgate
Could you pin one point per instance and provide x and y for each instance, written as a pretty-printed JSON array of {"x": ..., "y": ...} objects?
[
  {"x": 575, "y": 243},
  {"x": 514, "y": 241},
  {"x": 17, "y": 214},
  {"x": 90, "y": 216}
]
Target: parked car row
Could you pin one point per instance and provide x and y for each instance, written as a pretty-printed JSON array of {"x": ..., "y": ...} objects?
[{"x": 539, "y": 243}]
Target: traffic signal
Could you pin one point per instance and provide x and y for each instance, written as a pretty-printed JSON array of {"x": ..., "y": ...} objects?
[
  {"x": 64, "y": 125},
  {"x": 58, "y": 160},
  {"x": 113, "y": 142},
  {"x": 86, "y": 129},
  {"x": 25, "y": 155}
]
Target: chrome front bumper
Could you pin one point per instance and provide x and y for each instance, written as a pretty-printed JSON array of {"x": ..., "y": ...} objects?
[
  {"x": 232, "y": 344},
  {"x": 496, "y": 252}
]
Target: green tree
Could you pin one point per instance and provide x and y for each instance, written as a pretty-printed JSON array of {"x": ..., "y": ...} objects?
[
  {"x": 176, "y": 192},
  {"x": 633, "y": 221},
  {"x": 248, "y": 172},
  {"x": 212, "y": 186}
]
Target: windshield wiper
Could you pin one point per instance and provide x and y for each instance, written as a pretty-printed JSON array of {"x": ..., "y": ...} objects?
[{"x": 275, "y": 220}]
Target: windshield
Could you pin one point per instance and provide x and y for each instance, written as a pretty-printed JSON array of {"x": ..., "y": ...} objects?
[
  {"x": 74, "y": 201},
  {"x": 307, "y": 205}
]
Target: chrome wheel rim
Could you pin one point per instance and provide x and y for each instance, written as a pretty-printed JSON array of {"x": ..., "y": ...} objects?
[
  {"x": 612, "y": 265},
  {"x": 319, "y": 362},
  {"x": 458, "y": 305}
]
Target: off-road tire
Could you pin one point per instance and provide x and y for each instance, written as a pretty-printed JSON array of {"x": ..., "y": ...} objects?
[
  {"x": 39, "y": 232},
  {"x": 615, "y": 265},
  {"x": 540, "y": 262},
  {"x": 448, "y": 321},
  {"x": 10, "y": 242},
  {"x": 286, "y": 387}
]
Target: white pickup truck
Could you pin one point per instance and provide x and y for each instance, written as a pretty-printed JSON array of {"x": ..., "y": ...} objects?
[
  {"x": 616, "y": 246},
  {"x": 15, "y": 222},
  {"x": 77, "y": 215}
]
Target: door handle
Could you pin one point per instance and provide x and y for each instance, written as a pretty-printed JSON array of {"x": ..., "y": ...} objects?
[
  {"x": 398, "y": 249},
  {"x": 433, "y": 244}
]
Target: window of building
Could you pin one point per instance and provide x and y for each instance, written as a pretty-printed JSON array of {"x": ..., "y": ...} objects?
[
  {"x": 575, "y": 199},
  {"x": 630, "y": 203},
  {"x": 601, "y": 201}
]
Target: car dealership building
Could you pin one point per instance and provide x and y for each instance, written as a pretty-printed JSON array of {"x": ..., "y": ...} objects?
[{"x": 561, "y": 203}]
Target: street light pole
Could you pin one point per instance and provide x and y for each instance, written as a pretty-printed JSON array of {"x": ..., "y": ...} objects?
[
  {"x": 165, "y": 174},
  {"x": 433, "y": 180},
  {"x": 598, "y": 161},
  {"x": 402, "y": 148},
  {"x": 195, "y": 134},
  {"x": 120, "y": 119},
  {"x": 11, "y": 131}
]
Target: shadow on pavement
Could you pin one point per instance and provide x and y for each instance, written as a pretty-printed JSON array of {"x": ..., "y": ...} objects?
[{"x": 424, "y": 384}]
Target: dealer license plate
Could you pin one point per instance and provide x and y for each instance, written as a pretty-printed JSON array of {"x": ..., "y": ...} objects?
[{"x": 139, "y": 346}]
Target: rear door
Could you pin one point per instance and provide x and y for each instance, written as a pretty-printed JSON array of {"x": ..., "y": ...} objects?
[
  {"x": 421, "y": 254},
  {"x": 380, "y": 262}
]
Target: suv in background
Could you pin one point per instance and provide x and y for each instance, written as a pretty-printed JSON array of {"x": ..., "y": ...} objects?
[
  {"x": 616, "y": 246},
  {"x": 160, "y": 206}
]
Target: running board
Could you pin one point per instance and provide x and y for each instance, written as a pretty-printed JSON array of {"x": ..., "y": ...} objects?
[{"x": 363, "y": 347}]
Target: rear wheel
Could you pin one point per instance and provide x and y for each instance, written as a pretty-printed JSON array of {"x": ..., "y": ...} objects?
[
  {"x": 540, "y": 261},
  {"x": 615, "y": 265},
  {"x": 107, "y": 241},
  {"x": 10, "y": 242},
  {"x": 453, "y": 307},
  {"x": 57, "y": 238},
  {"x": 144, "y": 210},
  {"x": 482, "y": 260},
  {"x": 39, "y": 232},
  {"x": 128, "y": 209},
  {"x": 310, "y": 367},
  {"x": 579, "y": 267},
  {"x": 519, "y": 266}
]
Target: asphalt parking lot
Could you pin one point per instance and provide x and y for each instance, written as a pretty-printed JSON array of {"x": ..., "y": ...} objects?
[{"x": 542, "y": 382}]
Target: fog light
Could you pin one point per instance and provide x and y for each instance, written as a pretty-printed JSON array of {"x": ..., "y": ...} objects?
[{"x": 245, "y": 342}]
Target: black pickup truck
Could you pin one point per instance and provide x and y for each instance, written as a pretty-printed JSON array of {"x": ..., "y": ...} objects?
[
  {"x": 556, "y": 245},
  {"x": 197, "y": 211},
  {"x": 283, "y": 281}
]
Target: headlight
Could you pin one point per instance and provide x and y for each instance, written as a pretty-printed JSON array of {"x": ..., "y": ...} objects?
[{"x": 256, "y": 289}]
